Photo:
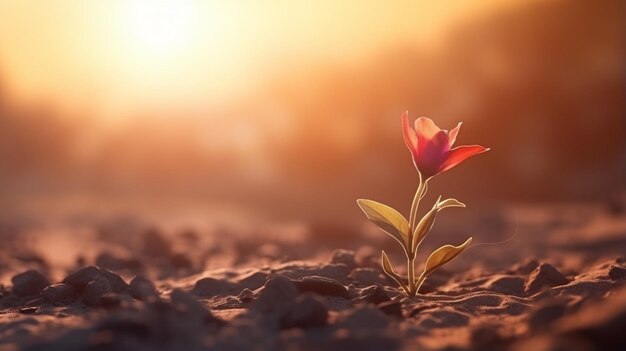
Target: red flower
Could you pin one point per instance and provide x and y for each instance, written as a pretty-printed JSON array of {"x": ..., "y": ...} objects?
[{"x": 431, "y": 147}]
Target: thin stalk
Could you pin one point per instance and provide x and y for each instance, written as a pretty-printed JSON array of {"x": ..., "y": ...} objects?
[
  {"x": 420, "y": 281},
  {"x": 411, "y": 276},
  {"x": 410, "y": 254},
  {"x": 419, "y": 193},
  {"x": 424, "y": 190}
]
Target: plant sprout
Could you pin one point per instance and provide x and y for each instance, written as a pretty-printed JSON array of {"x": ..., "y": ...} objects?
[{"x": 432, "y": 153}]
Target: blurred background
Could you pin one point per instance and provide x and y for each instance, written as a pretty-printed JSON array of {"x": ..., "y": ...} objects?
[{"x": 291, "y": 110}]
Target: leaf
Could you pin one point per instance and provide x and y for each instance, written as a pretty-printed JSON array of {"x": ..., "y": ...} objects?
[
  {"x": 388, "y": 269},
  {"x": 442, "y": 256},
  {"x": 387, "y": 266},
  {"x": 427, "y": 222},
  {"x": 449, "y": 203},
  {"x": 387, "y": 219}
]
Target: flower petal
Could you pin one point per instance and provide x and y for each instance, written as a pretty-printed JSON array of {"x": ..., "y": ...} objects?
[
  {"x": 409, "y": 134},
  {"x": 426, "y": 128},
  {"x": 460, "y": 154},
  {"x": 433, "y": 153},
  {"x": 453, "y": 133}
]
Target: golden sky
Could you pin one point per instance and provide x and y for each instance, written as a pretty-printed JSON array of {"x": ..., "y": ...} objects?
[{"x": 121, "y": 56}]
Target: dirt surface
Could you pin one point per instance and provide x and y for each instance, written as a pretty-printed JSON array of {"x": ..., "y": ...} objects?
[{"x": 121, "y": 283}]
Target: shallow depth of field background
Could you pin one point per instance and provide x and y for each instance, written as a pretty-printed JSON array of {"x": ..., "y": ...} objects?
[{"x": 291, "y": 110}]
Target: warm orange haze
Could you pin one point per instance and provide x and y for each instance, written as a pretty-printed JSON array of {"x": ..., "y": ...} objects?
[
  {"x": 193, "y": 174},
  {"x": 227, "y": 102},
  {"x": 124, "y": 55}
]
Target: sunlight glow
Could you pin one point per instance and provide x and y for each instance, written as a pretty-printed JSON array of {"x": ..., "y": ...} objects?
[
  {"x": 123, "y": 56},
  {"x": 160, "y": 26}
]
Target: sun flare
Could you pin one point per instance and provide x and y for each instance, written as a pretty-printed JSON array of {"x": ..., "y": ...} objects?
[{"x": 161, "y": 26}]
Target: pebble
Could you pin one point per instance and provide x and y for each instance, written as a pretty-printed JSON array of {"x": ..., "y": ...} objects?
[
  {"x": 254, "y": 280},
  {"x": 59, "y": 294},
  {"x": 275, "y": 294},
  {"x": 307, "y": 311},
  {"x": 110, "y": 300},
  {"x": 193, "y": 308},
  {"x": 544, "y": 276},
  {"x": 617, "y": 273},
  {"x": 207, "y": 287},
  {"x": 29, "y": 283},
  {"x": 92, "y": 296},
  {"x": 143, "y": 289},
  {"x": 28, "y": 310},
  {"x": 368, "y": 276},
  {"x": 322, "y": 286},
  {"x": 344, "y": 257},
  {"x": 374, "y": 294},
  {"x": 82, "y": 277},
  {"x": 246, "y": 295},
  {"x": 118, "y": 284}
]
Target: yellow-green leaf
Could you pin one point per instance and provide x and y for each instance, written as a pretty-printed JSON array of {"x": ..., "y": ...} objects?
[
  {"x": 387, "y": 266},
  {"x": 426, "y": 223},
  {"x": 449, "y": 203},
  {"x": 443, "y": 255},
  {"x": 388, "y": 269},
  {"x": 387, "y": 219}
]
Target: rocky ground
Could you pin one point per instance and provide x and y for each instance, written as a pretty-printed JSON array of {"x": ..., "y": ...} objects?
[{"x": 128, "y": 286}]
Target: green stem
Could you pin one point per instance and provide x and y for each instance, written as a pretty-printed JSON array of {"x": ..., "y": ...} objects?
[
  {"x": 420, "y": 281},
  {"x": 419, "y": 194},
  {"x": 411, "y": 276},
  {"x": 416, "y": 200}
]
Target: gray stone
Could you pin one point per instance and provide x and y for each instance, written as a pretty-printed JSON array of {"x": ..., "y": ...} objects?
[
  {"x": 254, "y": 280},
  {"x": 544, "y": 276},
  {"x": 322, "y": 286},
  {"x": 373, "y": 294},
  {"x": 246, "y": 295},
  {"x": 617, "y": 273},
  {"x": 191, "y": 307},
  {"x": 118, "y": 285},
  {"x": 368, "y": 276},
  {"x": 275, "y": 294},
  {"x": 344, "y": 257},
  {"x": 92, "y": 296},
  {"x": 80, "y": 278},
  {"x": 207, "y": 287},
  {"x": 143, "y": 289},
  {"x": 305, "y": 312},
  {"x": 59, "y": 294},
  {"x": 111, "y": 300},
  {"x": 29, "y": 283}
]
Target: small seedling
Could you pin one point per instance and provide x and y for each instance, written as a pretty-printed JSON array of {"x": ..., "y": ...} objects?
[{"x": 432, "y": 153}]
